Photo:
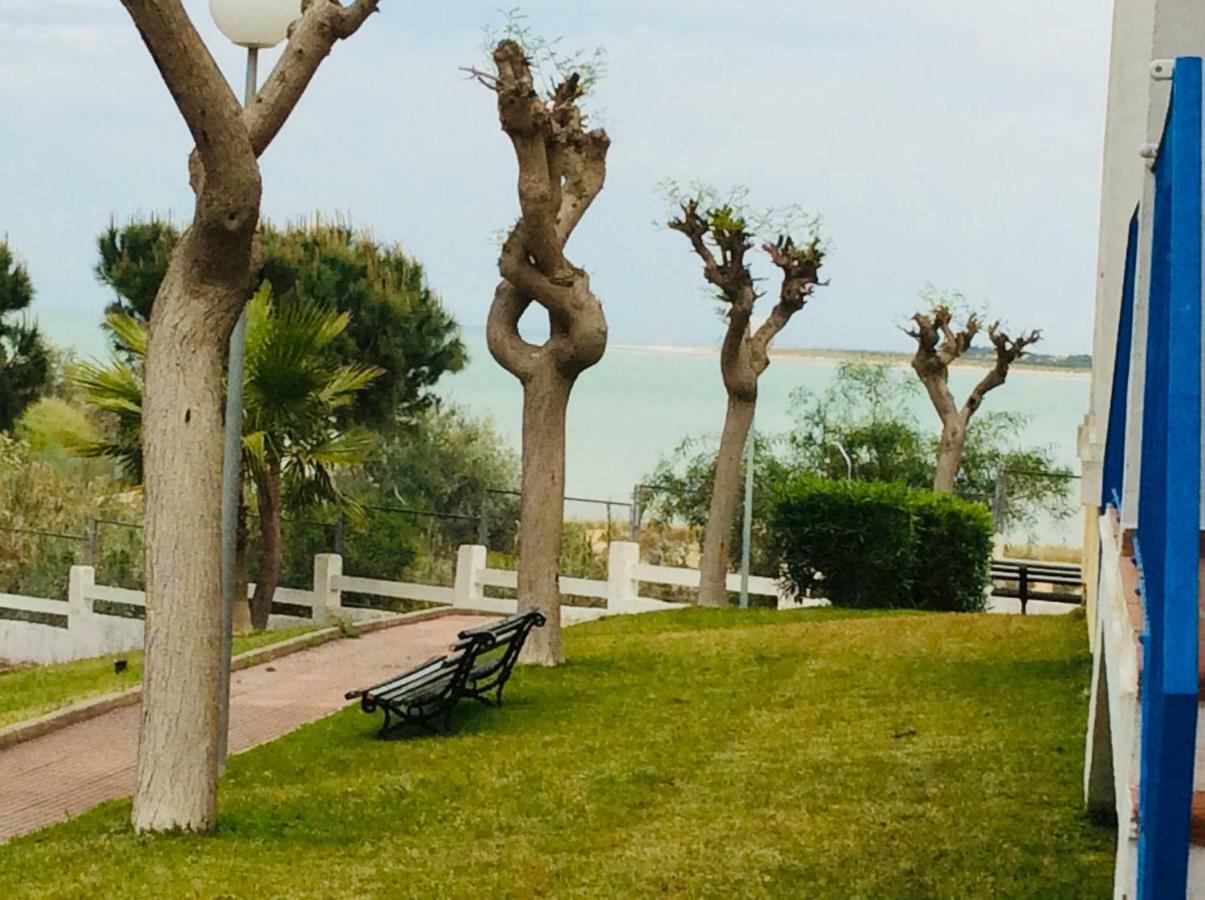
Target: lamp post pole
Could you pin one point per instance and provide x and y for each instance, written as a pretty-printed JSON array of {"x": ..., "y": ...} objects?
[{"x": 232, "y": 482}]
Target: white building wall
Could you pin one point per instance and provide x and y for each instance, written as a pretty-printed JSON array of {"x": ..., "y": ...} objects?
[{"x": 1143, "y": 31}]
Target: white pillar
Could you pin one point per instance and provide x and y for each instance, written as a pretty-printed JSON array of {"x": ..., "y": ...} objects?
[
  {"x": 328, "y": 599},
  {"x": 468, "y": 591},
  {"x": 622, "y": 586},
  {"x": 81, "y": 623}
]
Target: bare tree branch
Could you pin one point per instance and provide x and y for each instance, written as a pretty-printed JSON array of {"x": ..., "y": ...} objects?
[
  {"x": 200, "y": 91},
  {"x": 800, "y": 274},
  {"x": 322, "y": 24},
  {"x": 1008, "y": 351}
]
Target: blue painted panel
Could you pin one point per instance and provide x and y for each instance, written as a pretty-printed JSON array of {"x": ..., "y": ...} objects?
[
  {"x": 1169, "y": 511},
  {"x": 1115, "y": 438}
]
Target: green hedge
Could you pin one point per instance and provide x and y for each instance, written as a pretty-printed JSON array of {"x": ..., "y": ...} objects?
[{"x": 883, "y": 546}]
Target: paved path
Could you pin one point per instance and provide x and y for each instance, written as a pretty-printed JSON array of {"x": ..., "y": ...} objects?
[{"x": 69, "y": 771}]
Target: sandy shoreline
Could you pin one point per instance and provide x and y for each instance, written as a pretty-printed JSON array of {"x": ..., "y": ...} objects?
[{"x": 900, "y": 360}]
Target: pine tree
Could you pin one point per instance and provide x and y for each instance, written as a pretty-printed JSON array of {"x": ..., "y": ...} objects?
[{"x": 24, "y": 355}]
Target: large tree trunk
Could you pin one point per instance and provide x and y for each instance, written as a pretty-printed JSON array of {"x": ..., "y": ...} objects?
[
  {"x": 182, "y": 433},
  {"x": 541, "y": 518},
  {"x": 725, "y": 499},
  {"x": 949, "y": 454},
  {"x": 270, "y": 548}
]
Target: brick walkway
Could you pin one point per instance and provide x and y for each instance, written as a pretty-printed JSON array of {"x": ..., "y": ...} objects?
[{"x": 69, "y": 771}]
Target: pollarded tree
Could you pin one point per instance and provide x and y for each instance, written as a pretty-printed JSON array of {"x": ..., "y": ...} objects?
[
  {"x": 721, "y": 236},
  {"x": 562, "y": 167},
  {"x": 938, "y": 344},
  {"x": 24, "y": 357},
  {"x": 209, "y": 279}
]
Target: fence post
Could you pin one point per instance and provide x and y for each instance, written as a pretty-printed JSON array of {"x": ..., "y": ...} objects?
[
  {"x": 328, "y": 599},
  {"x": 468, "y": 591},
  {"x": 79, "y": 607},
  {"x": 622, "y": 586}
]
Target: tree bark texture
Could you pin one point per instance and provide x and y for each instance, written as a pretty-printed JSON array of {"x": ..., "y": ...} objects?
[
  {"x": 542, "y": 507},
  {"x": 562, "y": 169},
  {"x": 938, "y": 344},
  {"x": 268, "y": 492},
  {"x": 725, "y": 501},
  {"x": 208, "y": 281}
]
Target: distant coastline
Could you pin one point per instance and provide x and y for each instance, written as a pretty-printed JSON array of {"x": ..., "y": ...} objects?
[{"x": 979, "y": 358}]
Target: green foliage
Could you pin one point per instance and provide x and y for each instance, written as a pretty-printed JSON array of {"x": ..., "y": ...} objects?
[
  {"x": 953, "y": 548},
  {"x": 133, "y": 261},
  {"x": 443, "y": 461},
  {"x": 45, "y": 512},
  {"x": 115, "y": 390},
  {"x": 294, "y": 389},
  {"x": 396, "y": 322},
  {"x": 679, "y": 490},
  {"x": 25, "y": 359},
  {"x": 881, "y": 545},
  {"x": 866, "y": 410},
  {"x": 857, "y": 537}
]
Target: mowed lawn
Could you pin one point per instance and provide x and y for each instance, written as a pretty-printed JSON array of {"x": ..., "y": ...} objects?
[{"x": 695, "y": 754}]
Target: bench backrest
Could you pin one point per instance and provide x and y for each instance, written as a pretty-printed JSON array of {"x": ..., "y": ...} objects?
[
  {"x": 438, "y": 679},
  {"x": 505, "y": 638}
]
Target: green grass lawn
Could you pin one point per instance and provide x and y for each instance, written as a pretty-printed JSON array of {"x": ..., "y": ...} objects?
[
  {"x": 693, "y": 754},
  {"x": 37, "y": 690}
]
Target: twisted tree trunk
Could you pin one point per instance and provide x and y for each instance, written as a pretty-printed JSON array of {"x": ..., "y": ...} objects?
[{"x": 562, "y": 168}]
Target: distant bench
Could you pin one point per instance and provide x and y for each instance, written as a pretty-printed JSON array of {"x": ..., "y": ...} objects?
[
  {"x": 1016, "y": 578},
  {"x": 479, "y": 664}
]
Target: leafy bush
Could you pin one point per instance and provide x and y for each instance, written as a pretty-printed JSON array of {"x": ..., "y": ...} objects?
[
  {"x": 880, "y": 545},
  {"x": 856, "y": 536},
  {"x": 953, "y": 547}
]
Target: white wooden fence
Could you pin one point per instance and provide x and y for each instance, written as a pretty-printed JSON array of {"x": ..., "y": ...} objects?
[{"x": 78, "y": 629}]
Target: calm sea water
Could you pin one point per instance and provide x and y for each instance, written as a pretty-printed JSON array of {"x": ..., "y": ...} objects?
[{"x": 639, "y": 404}]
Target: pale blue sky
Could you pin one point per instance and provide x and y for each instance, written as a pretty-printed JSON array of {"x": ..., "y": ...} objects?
[{"x": 943, "y": 141}]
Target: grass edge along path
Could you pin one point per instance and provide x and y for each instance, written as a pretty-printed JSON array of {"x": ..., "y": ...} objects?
[
  {"x": 28, "y": 692},
  {"x": 694, "y": 753}
]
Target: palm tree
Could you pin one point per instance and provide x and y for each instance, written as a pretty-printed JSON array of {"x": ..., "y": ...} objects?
[{"x": 293, "y": 391}]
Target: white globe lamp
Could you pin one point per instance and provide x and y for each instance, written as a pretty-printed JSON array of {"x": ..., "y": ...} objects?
[{"x": 255, "y": 24}]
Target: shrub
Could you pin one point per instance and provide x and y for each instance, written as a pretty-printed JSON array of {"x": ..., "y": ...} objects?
[
  {"x": 953, "y": 549},
  {"x": 877, "y": 545},
  {"x": 857, "y": 536}
]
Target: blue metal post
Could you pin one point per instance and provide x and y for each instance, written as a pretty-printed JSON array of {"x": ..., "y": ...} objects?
[
  {"x": 1115, "y": 436},
  {"x": 1169, "y": 512}
]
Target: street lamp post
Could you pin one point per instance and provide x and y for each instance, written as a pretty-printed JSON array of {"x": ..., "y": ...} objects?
[{"x": 255, "y": 25}]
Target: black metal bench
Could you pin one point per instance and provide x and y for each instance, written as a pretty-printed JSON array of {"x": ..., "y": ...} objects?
[
  {"x": 481, "y": 661},
  {"x": 494, "y": 665},
  {"x": 1015, "y": 578}
]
